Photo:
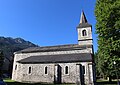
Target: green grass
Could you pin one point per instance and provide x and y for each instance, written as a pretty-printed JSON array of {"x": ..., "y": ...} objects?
[
  {"x": 99, "y": 82},
  {"x": 106, "y": 82},
  {"x": 8, "y": 80},
  {"x": 11, "y": 82}
]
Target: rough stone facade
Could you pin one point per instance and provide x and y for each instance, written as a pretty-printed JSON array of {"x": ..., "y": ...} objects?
[
  {"x": 85, "y": 40},
  {"x": 62, "y": 72},
  {"x": 38, "y": 75}
]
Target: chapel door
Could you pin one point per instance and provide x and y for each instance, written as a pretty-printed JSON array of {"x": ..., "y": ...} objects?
[{"x": 57, "y": 77}]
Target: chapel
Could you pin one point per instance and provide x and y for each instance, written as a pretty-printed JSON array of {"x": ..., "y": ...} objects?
[{"x": 71, "y": 63}]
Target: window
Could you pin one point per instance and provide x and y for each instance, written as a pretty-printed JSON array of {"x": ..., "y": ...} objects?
[
  {"x": 46, "y": 70},
  {"x": 29, "y": 71},
  {"x": 15, "y": 67},
  {"x": 66, "y": 70},
  {"x": 84, "y": 33}
]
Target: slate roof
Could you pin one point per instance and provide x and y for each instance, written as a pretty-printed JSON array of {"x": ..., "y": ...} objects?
[
  {"x": 83, "y": 25},
  {"x": 60, "y": 58},
  {"x": 55, "y": 48},
  {"x": 83, "y": 21},
  {"x": 83, "y": 18}
]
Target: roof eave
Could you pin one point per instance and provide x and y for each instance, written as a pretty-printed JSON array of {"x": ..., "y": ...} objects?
[{"x": 84, "y": 25}]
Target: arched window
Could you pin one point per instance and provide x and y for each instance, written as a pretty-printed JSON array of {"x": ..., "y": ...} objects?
[
  {"x": 46, "y": 70},
  {"x": 84, "y": 33},
  {"x": 66, "y": 70},
  {"x": 29, "y": 71}
]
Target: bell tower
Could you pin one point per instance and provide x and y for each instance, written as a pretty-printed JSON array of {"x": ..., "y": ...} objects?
[{"x": 84, "y": 31}]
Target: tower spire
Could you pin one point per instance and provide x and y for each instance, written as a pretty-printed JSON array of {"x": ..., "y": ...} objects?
[
  {"x": 83, "y": 21},
  {"x": 84, "y": 31},
  {"x": 83, "y": 18}
]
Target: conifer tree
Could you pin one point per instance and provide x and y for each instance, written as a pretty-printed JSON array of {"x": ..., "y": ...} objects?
[{"x": 1, "y": 61}]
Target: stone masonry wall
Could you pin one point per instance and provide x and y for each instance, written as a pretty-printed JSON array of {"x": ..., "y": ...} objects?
[
  {"x": 21, "y": 73},
  {"x": 38, "y": 75},
  {"x": 20, "y": 56}
]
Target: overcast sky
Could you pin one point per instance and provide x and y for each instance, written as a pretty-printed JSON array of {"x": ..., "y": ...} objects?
[{"x": 45, "y": 22}]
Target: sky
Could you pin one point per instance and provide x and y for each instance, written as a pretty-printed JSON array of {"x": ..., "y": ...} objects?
[{"x": 45, "y": 22}]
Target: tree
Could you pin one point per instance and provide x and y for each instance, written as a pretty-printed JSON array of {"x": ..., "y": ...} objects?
[
  {"x": 1, "y": 61},
  {"x": 97, "y": 65},
  {"x": 107, "y": 14}
]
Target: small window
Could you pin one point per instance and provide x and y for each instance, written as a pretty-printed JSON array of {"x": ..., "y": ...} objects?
[
  {"x": 29, "y": 71},
  {"x": 46, "y": 70},
  {"x": 66, "y": 70},
  {"x": 84, "y": 33},
  {"x": 15, "y": 67}
]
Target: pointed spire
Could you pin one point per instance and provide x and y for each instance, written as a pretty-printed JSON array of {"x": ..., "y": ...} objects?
[
  {"x": 83, "y": 18},
  {"x": 83, "y": 21}
]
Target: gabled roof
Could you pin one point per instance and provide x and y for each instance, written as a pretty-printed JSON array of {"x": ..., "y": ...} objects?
[
  {"x": 83, "y": 21},
  {"x": 60, "y": 58},
  {"x": 55, "y": 48}
]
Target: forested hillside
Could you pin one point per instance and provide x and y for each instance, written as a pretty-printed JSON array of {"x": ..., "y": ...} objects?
[{"x": 10, "y": 45}]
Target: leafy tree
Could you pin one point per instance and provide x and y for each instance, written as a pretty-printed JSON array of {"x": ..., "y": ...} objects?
[
  {"x": 107, "y": 14},
  {"x": 1, "y": 61},
  {"x": 96, "y": 62}
]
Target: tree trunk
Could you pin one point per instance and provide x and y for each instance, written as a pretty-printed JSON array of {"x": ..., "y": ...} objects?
[{"x": 110, "y": 79}]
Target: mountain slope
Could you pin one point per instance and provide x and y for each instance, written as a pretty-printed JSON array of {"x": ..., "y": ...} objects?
[{"x": 10, "y": 45}]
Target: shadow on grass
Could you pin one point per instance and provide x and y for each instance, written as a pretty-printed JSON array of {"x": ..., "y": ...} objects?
[
  {"x": 107, "y": 83},
  {"x": 98, "y": 83},
  {"x": 18, "y": 83},
  {"x": 10, "y": 82}
]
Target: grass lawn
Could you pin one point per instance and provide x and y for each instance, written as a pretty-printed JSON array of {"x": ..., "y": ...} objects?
[
  {"x": 11, "y": 82},
  {"x": 106, "y": 82},
  {"x": 99, "y": 82}
]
